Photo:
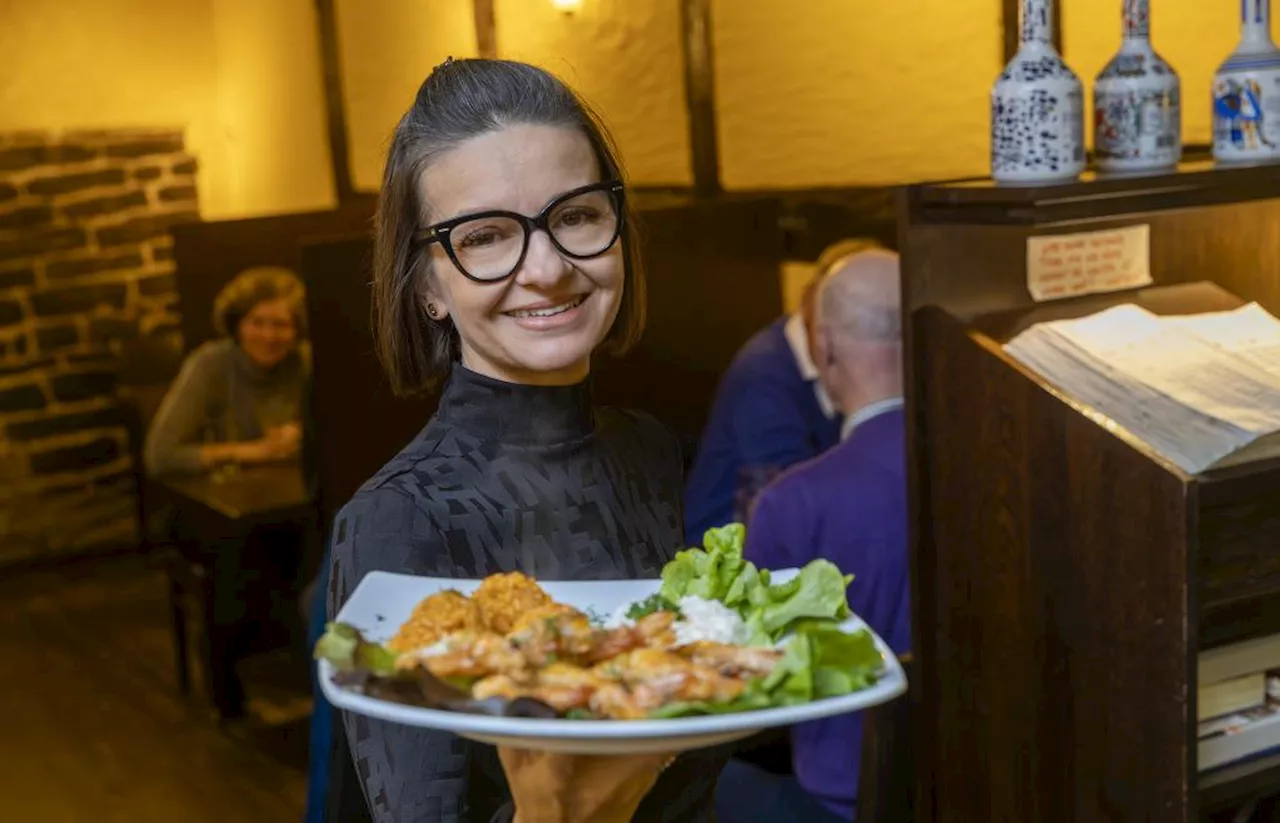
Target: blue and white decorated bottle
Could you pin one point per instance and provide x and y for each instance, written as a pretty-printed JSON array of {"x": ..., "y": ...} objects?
[
  {"x": 1137, "y": 103},
  {"x": 1246, "y": 93},
  {"x": 1037, "y": 109}
]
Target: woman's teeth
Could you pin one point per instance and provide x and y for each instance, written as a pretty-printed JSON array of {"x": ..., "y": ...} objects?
[{"x": 551, "y": 311}]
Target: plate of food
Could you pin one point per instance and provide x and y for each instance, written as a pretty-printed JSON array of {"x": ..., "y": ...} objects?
[{"x": 713, "y": 651}]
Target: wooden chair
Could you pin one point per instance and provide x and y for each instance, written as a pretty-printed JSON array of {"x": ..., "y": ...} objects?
[
  {"x": 185, "y": 580},
  {"x": 886, "y": 784}
]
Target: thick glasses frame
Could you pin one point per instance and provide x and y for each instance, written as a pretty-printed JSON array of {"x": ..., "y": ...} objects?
[{"x": 440, "y": 232}]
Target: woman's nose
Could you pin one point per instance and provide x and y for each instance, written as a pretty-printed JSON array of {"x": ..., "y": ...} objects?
[{"x": 543, "y": 264}]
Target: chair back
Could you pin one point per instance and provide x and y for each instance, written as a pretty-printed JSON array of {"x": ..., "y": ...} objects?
[{"x": 886, "y": 784}]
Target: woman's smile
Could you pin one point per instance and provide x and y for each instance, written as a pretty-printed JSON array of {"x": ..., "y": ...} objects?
[{"x": 548, "y": 314}]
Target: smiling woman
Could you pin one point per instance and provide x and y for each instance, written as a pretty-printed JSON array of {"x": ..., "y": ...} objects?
[
  {"x": 238, "y": 399},
  {"x": 505, "y": 260}
]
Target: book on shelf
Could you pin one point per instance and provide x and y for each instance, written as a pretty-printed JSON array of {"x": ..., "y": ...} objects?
[
  {"x": 1240, "y": 735},
  {"x": 1229, "y": 696},
  {"x": 1201, "y": 390},
  {"x": 1259, "y": 654}
]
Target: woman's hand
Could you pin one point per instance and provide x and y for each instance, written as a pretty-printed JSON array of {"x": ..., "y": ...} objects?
[
  {"x": 565, "y": 788},
  {"x": 280, "y": 443}
]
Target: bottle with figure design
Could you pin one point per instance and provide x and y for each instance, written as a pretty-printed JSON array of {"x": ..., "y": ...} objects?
[
  {"x": 1037, "y": 109},
  {"x": 1246, "y": 93},
  {"x": 1137, "y": 102}
]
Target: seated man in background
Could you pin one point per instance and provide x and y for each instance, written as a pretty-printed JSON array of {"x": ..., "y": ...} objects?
[
  {"x": 850, "y": 507},
  {"x": 769, "y": 413}
]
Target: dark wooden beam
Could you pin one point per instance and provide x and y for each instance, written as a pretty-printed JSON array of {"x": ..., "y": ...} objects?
[
  {"x": 335, "y": 108},
  {"x": 486, "y": 28},
  {"x": 1013, "y": 30},
  {"x": 699, "y": 83}
]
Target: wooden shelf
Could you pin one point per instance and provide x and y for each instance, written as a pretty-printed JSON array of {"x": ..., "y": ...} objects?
[
  {"x": 1239, "y": 782},
  {"x": 1194, "y": 183},
  {"x": 1065, "y": 577}
]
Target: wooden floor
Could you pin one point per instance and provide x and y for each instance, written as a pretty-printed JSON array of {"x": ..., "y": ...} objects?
[{"x": 93, "y": 730}]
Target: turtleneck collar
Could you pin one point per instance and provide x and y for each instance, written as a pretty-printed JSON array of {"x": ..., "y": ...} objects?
[
  {"x": 514, "y": 413},
  {"x": 256, "y": 374}
]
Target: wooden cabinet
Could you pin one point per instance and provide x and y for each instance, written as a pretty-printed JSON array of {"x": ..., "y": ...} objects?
[{"x": 1064, "y": 576}]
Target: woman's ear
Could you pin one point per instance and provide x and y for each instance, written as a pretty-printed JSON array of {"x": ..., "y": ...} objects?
[{"x": 432, "y": 302}]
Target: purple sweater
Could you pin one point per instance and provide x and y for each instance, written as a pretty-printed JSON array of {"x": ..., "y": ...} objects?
[{"x": 849, "y": 506}]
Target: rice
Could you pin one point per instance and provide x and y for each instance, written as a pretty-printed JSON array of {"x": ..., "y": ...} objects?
[{"x": 709, "y": 620}]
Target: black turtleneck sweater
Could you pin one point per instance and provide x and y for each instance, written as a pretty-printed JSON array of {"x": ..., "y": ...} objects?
[{"x": 505, "y": 478}]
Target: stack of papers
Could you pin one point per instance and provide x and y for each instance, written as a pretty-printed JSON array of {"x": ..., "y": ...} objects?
[{"x": 1202, "y": 391}]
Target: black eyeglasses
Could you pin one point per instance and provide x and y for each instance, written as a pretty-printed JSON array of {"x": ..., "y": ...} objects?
[{"x": 491, "y": 245}]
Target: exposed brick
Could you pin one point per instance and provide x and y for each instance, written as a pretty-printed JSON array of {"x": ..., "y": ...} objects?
[
  {"x": 32, "y": 243},
  {"x": 185, "y": 167},
  {"x": 67, "y": 183},
  {"x": 107, "y": 328},
  {"x": 161, "y": 254},
  {"x": 25, "y": 157},
  {"x": 11, "y": 312},
  {"x": 142, "y": 148},
  {"x": 22, "y": 398},
  {"x": 142, "y": 228},
  {"x": 56, "y": 338},
  {"x": 25, "y": 217},
  {"x": 66, "y": 423},
  {"x": 37, "y": 364},
  {"x": 160, "y": 284},
  {"x": 97, "y": 358},
  {"x": 7, "y": 192},
  {"x": 105, "y": 205},
  {"x": 174, "y": 193},
  {"x": 79, "y": 299},
  {"x": 18, "y": 345},
  {"x": 83, "y": 385},
  {"x": 98, "y": 452},
  {"x": 93, "y": 265},
  {"x": 14, "y": 278},
  {"x": 147, "y": 173}
]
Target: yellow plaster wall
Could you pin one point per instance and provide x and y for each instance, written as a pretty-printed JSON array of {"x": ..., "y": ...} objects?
[
  {"x": 624, "y": 56},
  {"x": 840, "y": 92},
  {"x": 388, "y": 47},
  {"x": 241, "y": 78},
  {"x": 1195, "y": 36},
  {"x": 270, "y": 108}
]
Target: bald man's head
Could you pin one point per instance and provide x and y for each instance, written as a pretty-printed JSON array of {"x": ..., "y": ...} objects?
[
  {"x": 859, "y": 330},
  {"x": 861, "y": 298}
]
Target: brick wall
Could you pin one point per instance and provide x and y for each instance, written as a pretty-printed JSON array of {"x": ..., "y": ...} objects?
[{"x": 86, "y": 288}]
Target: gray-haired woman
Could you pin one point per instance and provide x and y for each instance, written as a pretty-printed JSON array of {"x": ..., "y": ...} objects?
[{"x": 238, "y": 399}]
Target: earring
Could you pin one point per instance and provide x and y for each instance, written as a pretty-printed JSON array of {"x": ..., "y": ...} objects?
[{"x": 432, "y": 311}]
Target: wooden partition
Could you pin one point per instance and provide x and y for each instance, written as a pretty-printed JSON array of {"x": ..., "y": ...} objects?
[
  {"x": 1064, "y": 576},
  {"x": 208, "y": 255},
  {"x": 713, "y": 281}
]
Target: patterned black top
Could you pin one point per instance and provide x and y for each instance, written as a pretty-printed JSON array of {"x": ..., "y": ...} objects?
[{"x": 507, "y": 477}]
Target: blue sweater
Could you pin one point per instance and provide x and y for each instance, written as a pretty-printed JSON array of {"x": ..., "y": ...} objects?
[
  {"x": 765, "y": 418},
  {"x": 850, "y": 507}
]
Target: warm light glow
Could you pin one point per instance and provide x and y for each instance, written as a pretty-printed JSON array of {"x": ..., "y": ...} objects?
[{"x": 567, "y": 6}]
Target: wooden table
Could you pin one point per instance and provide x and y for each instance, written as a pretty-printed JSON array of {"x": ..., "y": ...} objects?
[
  {"x": 220, "y": 518},
  {"x": 252, "y": 497}
]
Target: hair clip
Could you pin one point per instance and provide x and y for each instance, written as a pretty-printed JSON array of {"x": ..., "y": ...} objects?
[{"x": 448, "y": 61}]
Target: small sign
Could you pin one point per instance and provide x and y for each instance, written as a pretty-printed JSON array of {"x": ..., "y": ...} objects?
[{"x": 1068, "y": 265}]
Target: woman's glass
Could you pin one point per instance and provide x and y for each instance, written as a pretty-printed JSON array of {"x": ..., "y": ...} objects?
[{"x": 491, "y": 245}]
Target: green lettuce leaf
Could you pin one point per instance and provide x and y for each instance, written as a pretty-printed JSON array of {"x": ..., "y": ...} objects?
[
  {"x": 717, "y": 571},
  {"x": 819, "y": 591},
  {"x": 819, "y": 661},
  {"x": 346, "y": 649}
]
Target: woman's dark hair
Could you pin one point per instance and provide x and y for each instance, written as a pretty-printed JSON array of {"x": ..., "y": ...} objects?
[
  {"x": 251, "y": 287},
  {"x": 462, "y": 99}
]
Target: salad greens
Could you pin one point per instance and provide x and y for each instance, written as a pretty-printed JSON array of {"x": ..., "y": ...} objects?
[
  {"x": 718, "y": 571},
  {"x": 819, "y": 659}
]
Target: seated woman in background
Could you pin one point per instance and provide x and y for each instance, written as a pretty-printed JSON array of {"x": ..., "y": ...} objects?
[{"x": 238, "y": 399}]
